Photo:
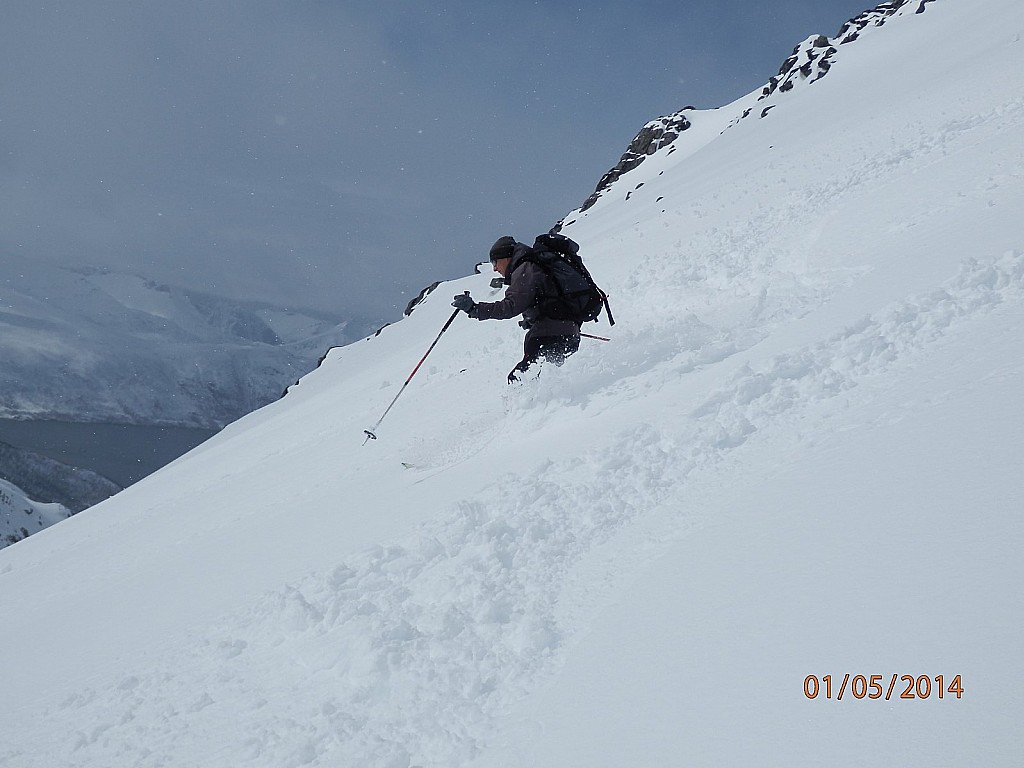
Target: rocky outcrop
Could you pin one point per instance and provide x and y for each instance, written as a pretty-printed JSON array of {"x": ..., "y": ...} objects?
[
  {"x": 655, "y": 135},
  {"x": 422, "y": 295},
  {"x": 813, "y": 58},
  {"x": 810, "y": 61}
]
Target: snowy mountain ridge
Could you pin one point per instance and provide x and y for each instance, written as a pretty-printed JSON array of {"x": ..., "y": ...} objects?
[
  {"x": 810, "y": 61},
  {"x": 797, "y": 458},
  {"x": 813, "y": 58}
]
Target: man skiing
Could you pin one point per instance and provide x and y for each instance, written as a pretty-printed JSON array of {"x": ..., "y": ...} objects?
[{"x": 528, "y": 283}]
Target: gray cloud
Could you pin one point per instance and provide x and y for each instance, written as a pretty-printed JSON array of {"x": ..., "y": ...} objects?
[{"x": 340, "y": 155}]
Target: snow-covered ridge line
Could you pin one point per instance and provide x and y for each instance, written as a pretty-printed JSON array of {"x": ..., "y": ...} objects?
[
  {"x": 813, "y": 58},
  {"x": 810, "y": 61},
  {"x": 656, "y": 135}
]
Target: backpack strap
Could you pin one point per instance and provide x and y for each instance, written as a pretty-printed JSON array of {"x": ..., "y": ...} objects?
[{"x": 607, "y": 308}]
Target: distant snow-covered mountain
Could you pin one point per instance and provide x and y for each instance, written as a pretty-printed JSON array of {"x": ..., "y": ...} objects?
[
  {"x": 99, "y": 345},
  {"x": 20, "y": 516},
  {"x": 40, "y": 477}
]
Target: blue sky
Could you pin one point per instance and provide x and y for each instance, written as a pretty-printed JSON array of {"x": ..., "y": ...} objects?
[{"x": 341, "y": 155}]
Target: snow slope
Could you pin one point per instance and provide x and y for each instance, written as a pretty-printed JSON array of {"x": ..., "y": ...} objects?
[{"x": 798, "y": 456}]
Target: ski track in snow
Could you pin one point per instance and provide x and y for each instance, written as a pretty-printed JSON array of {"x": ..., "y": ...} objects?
[
  {"x": 866, "y": 349},
  {"x": 457, "y": 623}
]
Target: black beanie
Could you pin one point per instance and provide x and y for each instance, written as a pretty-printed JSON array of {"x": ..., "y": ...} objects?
[{"x": 502, "y": 248}]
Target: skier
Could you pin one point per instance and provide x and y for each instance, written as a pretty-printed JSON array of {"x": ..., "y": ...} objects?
[{"x": 528, "y": 283}]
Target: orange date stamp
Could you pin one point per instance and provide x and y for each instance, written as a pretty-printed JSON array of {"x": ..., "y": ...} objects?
[{"x": 874, "y": 687}]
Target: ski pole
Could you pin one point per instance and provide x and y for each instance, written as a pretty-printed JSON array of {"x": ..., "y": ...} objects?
[
  {"x": 598, "y": 338},
  {"x": 370, "y": 432}
]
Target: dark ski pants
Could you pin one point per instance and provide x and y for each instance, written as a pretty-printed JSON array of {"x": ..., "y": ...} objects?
[{"x": 553, "y": 349}]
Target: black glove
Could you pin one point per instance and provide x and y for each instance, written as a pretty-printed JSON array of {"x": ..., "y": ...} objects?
[{"x": 465, "y": 302}]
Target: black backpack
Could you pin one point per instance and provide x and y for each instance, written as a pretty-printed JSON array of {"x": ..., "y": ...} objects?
[{"x": 578, "y": 298}]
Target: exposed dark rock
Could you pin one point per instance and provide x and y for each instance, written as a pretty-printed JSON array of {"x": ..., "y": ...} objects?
[
  {"x": 814, "y": 53},
  {"x": 810, "y": 61},
  {"x": 423, "y": 294},
  {"x": 20, "y": 535},
  {"x": 654, "y": 136},
  {"x": 876, "y": 16}
]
